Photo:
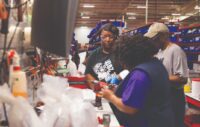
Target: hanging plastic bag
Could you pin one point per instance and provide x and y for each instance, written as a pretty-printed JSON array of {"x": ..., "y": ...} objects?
[
  {"x": 55, "y": 80},
  {"x": 20, "y": 113},
  {"x": 83, "y": 114},
  {"x": 63, "y": 107},
  {"x": 56, "y": 115},
  {"x": 56, "y": 110},
  {"x": 52, "y": 88}
]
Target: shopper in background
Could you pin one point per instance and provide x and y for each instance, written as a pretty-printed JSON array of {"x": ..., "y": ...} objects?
[
  {"x": 101, "y": 63},
  {"x": 142, "y": 100},
  {"x": 175, "y": 61}
]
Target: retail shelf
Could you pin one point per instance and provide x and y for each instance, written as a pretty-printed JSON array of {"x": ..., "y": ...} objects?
[
  {"x": 192, "y": 100},
  {"x": 193, "y": 53},
  {"x": 194, "y": 74},
  {"x": 188, "y": 44},
  {"x": 198, "y": 62},
  {"x": 138, "y": 28},
  {"x": 190, "y": 27},
  {"x": 189, "y": 35}
]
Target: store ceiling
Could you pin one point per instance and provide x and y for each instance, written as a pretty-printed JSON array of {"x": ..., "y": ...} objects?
[{"x": 116, "y": 9}]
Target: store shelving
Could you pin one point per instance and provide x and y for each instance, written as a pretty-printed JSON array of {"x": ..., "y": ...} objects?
[
  {"x": 198, "y": 62},
  {"x": 188, "y": 44},
  {"x": 189, "y": 39},
  {"x": 193, "y": 53},
  {"x": 140, "y": 30},
  {"x": 190, "y": 35}
]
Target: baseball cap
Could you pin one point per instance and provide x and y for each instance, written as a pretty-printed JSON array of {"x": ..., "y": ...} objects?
[{"x": 156, "y": 28}]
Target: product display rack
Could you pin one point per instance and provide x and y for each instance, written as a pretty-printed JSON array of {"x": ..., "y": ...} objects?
[{"x": 188, "y": 38}]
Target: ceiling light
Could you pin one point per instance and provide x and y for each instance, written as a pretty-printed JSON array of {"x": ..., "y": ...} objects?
[
  {"x": 104, "y": 20},
  {"x": 85, "y": 17},
  {"x": 132, "y": 17},
  {"x": 119, "y": 20},
  {"x": 130, "y": 13},
  {"x": 141, "y": 6},
  {"x": 112, "y": 20},
  {"x": 83, "y": 26},
  {"x": 189, "y": 14},
  {"x": 197, "y": 7},
  {"x": 176, "y": 14},
  {"x": 88, "y": 6},
  {"x": 165, "y": 18}
]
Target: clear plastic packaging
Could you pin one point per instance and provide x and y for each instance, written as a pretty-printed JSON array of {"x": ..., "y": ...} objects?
[
  {"x": 65, "y": 106},
  {"x": 20, "y": 113}
]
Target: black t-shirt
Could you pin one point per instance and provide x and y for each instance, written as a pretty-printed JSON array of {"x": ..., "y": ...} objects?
[{"x": 101, "y": 65}]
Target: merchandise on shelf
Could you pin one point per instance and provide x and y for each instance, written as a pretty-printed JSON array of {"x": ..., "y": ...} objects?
[{"x": 189, "y": 40}]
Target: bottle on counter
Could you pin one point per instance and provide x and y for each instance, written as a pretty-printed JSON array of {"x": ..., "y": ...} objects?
[
  {"x": 106, "y": 120},
  {"x": 18, "y": 82},
  {"x": 97, "y": 89},
  {"x": 17, "y": 79}
]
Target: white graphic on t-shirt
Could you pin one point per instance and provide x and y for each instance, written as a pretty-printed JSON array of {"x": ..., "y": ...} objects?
[{"x": 103, "y": 70}]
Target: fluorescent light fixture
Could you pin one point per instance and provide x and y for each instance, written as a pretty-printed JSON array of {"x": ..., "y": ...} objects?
[
  {"x": 141, "y": 6},
  {"x": 197, "y": 7},
  {"x": 165, "y": 18},
  {"x": 88, "y": 6},
  {"x": 112, "y": 20},
  {"x": 119, "y": 20},
  {"x": 173, "y": 20},
  {"x": 85, "y": 17},
  {"x": 130, "y": 13},
  {"x": 176, "y": 14},
  {"x": 83, "y": 26},
  {"x": 189, "y": 14},
  {"x": 104, "y": 20},
  {"x": 132, "y": 17}
]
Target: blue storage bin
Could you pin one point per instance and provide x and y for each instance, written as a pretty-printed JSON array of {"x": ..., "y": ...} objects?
[
  {"x": 184, "y": 31},
  {"x": 173, "y": 38},
  {"x": 172, "y": 28},
  {"x": 197, "y": 39}
]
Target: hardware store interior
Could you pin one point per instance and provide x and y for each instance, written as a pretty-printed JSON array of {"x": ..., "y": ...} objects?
[{"x": 100, "y": 63}]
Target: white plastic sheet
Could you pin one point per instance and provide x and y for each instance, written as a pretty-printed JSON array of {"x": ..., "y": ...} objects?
[
  {"x": 20, "y": 113},
  {"x": 65, "y": 106}
]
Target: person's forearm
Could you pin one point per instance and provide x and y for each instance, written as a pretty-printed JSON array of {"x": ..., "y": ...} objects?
[
  {"x": 89, "y": 79},
  {"x": 176, "y": 79},
  {"x": 119, "y": 104}
]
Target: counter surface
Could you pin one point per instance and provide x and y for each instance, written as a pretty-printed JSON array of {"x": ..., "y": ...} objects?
[
  {"x": 107, "y": 110},
  {"x": 192, "y": 99}
]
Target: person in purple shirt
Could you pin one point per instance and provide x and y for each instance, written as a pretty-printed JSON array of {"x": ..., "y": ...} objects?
[{"x": 142, "y": 99}]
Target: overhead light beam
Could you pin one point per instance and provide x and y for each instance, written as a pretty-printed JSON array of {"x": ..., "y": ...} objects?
[{"x": 88, "y": 6}]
